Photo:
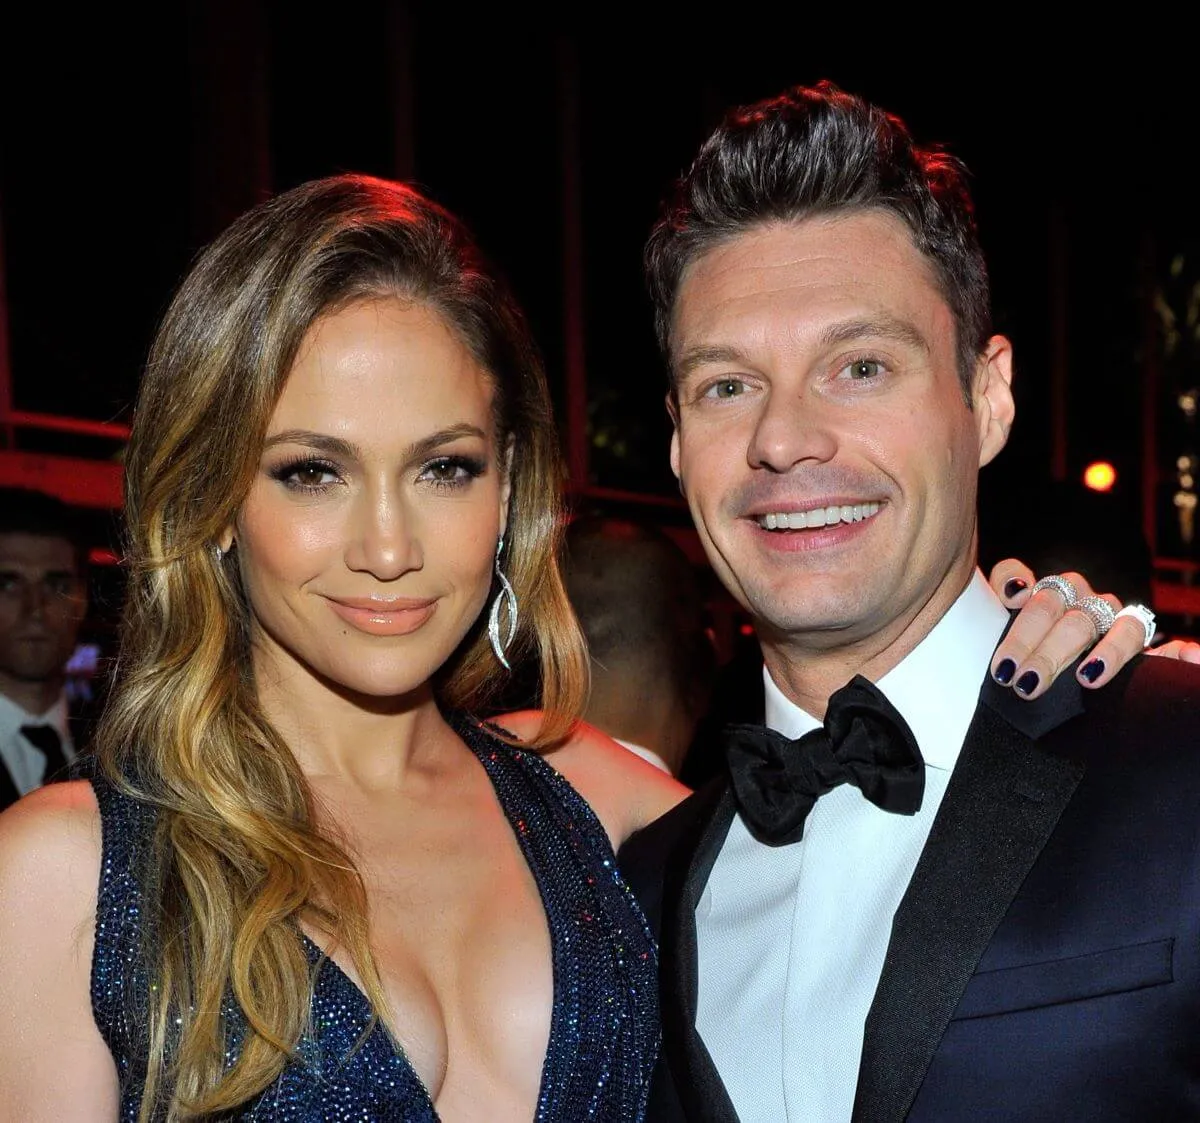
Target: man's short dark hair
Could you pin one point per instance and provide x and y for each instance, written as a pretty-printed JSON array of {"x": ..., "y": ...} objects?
[
  {"x": 815, "y": 151},
  {"x": 27, "y": 511},
  {"x": 639, "y": 600}
]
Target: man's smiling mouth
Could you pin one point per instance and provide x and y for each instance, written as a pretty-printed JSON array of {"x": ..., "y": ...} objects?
[{"x": 818, "y": 516}]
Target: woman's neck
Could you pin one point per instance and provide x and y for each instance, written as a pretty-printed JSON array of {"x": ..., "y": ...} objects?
[{"x": 367, "y": 741}]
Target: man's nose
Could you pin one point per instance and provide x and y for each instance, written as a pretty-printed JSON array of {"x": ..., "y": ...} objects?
[
  {"x": 36, "y": 599},
  {"x": 792, "y": 429}
]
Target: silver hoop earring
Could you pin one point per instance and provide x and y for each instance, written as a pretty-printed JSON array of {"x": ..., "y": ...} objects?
[
  {"x": 506, "y": 601},
  {"x": 218, "y": 554}
]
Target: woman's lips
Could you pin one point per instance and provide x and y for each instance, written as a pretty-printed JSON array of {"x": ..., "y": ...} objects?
[{"x": 383, "y": 618}]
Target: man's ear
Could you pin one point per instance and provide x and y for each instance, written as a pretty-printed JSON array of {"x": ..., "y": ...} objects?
[
  {"x": 992, "y": 398},
  {"x": 673, "y": 412},
  {"x": 506, "y": 461}
]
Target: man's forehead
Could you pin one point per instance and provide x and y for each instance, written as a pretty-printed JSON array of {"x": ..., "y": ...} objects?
[
  {"x": 859, "y": 265},
  {"x": 20, "y": 550}
]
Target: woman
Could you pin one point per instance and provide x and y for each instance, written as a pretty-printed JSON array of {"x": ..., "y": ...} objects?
[{"x": 325, "y": 890}]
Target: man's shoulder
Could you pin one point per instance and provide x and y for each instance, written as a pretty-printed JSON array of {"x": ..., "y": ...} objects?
[
  {"x": 1150, "y": 712},
  {"x": 1160, "y": 693}
]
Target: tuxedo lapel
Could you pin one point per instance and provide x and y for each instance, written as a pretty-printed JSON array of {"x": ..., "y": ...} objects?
[
  {"x": 1002, "y": 803},
  {"x": 701, "y": 1093}
]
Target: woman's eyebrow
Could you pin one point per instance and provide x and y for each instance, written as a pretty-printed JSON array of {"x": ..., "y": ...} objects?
[{"x": 338, "y": 446}]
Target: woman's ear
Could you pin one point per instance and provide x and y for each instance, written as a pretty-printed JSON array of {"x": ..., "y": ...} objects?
[{"x": 506, "y": 462}]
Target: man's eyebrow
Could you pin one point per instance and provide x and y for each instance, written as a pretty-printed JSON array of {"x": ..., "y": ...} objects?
[
  {"x": 882, "y": 326},
  {"x": 700, "y": 356},
  {"x": 877, "y": 327},
  {"x": 347, "y": 450}
]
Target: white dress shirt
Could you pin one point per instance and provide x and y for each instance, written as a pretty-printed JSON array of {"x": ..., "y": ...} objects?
[
  {"x": 648, "y": 755},
  {"x": 791, "y": 939},
  {"x": 26, "y": 764}
]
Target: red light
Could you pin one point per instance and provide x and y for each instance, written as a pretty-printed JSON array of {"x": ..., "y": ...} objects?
[{"x": 1099, "y": 476}]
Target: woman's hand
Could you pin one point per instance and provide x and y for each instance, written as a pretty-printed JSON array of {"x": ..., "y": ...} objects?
[{"x": 1047, "y": 637}]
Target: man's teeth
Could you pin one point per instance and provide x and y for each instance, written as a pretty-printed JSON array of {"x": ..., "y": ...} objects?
[{"x": 822, "y": 516}]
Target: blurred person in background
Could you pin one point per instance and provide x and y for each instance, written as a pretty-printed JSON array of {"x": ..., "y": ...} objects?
[
  {"x": 43, "y": 602},
  {"x": 640, "y": 602}
]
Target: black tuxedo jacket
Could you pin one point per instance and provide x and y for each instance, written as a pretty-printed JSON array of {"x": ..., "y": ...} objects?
[{"x": 1044, "y": 963}]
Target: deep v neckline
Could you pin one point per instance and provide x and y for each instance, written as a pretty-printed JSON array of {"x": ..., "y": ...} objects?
[{"x": 516, "y": 822}]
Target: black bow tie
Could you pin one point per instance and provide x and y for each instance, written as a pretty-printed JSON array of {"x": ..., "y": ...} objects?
[
  {"x": 46, "y": 739},
  {"x": 864, "y": 741}
]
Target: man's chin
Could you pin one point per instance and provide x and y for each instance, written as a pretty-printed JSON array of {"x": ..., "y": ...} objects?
[{"x": 818, "y": 628}]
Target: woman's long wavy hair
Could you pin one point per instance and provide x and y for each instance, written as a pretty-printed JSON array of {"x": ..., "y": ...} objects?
[{"x": 238, "y": 859}]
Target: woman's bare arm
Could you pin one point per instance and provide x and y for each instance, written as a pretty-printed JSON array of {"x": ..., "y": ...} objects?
[{"x": 54, "y": 1065}]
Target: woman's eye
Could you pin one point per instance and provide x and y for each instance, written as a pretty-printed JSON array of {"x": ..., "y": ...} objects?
[
  {"x": 452, "y": 470},
  {"x": 308, "y": 475},
  {"x": 864, "y": 368},
  {"x": 313, "y": 475}
]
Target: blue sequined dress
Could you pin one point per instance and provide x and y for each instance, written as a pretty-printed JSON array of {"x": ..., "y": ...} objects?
[{"x": 604, "y": 1026}]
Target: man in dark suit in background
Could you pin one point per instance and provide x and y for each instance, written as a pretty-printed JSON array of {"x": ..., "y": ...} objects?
[
  {"x": 43, "y": 601},
  {"x": 923, "y": 899},
  {"x": 640, "y": 603}
]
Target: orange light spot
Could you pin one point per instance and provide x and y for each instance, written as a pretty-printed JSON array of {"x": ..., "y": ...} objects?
[{"x": 1100, "y": 476}]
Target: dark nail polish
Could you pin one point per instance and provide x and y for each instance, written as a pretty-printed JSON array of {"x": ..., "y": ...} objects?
[
  {"x": 1027, "y": 683},
  {"x": 1013, "y": 586},
  {"x": 1092, "y": 669},
  {"x": 1004, "y": 671}
]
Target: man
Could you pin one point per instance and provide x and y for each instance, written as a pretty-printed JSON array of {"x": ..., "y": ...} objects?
[
  {"x": 43, "y": 600},
  {"x": 1013, "y": 932},
  {"x": 640, "y": 603}
]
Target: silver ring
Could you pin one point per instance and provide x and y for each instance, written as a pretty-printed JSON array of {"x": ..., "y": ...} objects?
[
  {"x": 1061, "y": 586},
  {"x": 1145, "y": 617},
  {"x": 1099, "y": 612}
]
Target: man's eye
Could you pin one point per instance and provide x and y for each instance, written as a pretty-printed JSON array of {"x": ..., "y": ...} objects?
[
  {"x": 726, "y": 388},
  {"x": 864, "y": 368},
  {"x": 63, "y": 586}
]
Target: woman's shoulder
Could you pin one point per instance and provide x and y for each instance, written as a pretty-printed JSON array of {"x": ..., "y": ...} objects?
[
  {"x": 625, "y": 791},
  {"x": 56, "y": 819},
  {"x": 50, "y": 848}
]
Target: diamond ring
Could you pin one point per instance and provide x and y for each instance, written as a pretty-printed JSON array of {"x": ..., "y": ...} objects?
[
  {"x": 1099, "y": 612},
  {"x": 1061, "y": 586},
  {"x": 1144, "y": 616}
]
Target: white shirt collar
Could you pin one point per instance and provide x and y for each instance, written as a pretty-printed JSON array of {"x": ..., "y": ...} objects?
[
  {"x": 936, "y": 686},
  {"x": 13, "y": 716},
  {"x": 648, "y": 755}
]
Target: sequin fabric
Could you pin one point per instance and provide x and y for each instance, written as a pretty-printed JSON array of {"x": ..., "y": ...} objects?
[{"x": 604, "y": 1030}]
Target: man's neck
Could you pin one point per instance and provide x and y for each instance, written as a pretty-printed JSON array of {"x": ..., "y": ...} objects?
[
  {"x": 34, "y": 697},
  {"x": 808, "y": 673}
]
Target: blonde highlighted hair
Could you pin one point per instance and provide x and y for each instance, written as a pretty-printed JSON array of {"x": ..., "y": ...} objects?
[{"x": 238, "y": 860}]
